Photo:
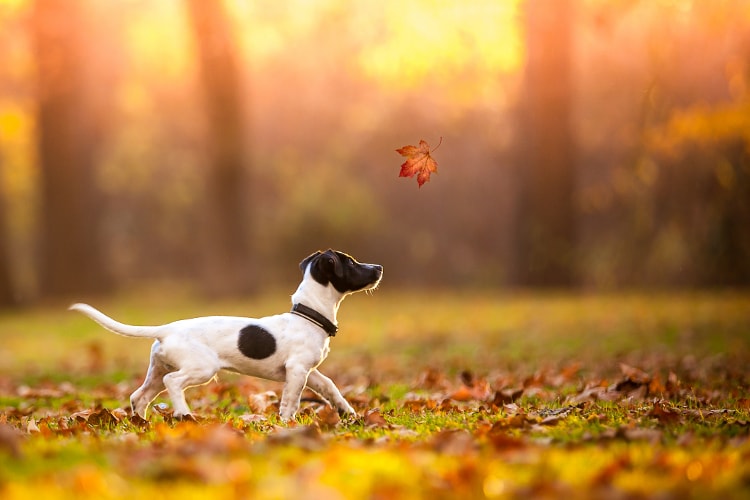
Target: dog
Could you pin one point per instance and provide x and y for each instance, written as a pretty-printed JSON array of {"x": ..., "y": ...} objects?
[{"x": 286, "y": 347}]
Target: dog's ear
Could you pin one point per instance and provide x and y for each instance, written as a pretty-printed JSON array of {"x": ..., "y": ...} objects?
[
  {"x": 306, "y": 261},
  {"x": 333, "y": 263}
]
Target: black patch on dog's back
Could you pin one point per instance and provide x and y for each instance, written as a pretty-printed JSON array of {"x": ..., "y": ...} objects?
[{"x": 256, "y": 342}]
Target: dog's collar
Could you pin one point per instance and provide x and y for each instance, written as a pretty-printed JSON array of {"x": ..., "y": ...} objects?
[{"x": 315, "y": 317}]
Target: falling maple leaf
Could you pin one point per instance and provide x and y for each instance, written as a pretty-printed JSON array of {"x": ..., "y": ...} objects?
[{"x": 418, "y": 161}]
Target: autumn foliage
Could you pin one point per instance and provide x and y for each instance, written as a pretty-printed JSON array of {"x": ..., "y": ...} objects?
[{"x": 583, "y": 398}]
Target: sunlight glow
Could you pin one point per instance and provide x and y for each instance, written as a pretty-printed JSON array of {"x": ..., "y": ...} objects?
[
  {"x": 160, "y": 47},
  {"x": 438, "y": 39}
]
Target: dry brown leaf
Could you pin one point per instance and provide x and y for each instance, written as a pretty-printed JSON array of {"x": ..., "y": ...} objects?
[
  {"x": 664, "y": 414},
  {"x": 327, "y": 417},
  {"x": 635, "y": 375},
  {"x": 373, "y": 418}
]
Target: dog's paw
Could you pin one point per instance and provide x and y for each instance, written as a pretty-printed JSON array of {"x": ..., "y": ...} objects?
[
  {"x": 346, "y": 410},
  {"x": 351, "y": 418},
  {"x": 287, "y": 419}
]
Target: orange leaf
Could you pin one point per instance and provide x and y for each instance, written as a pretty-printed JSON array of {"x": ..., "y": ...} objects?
[
  {"x": 462, "y": 394},
  {"x": 418, "y": 162}
]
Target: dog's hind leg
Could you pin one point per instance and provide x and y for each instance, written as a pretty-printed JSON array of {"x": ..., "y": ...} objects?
[
  {"x": 177, "y": 382},
  {"x": 326, "y": 388},
  {"x": 152, "y": 386}
]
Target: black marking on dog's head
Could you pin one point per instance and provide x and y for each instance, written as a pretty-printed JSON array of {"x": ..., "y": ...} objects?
[
  {"x": 256, "y": 342},
  {"x": 341, "y": 270}
]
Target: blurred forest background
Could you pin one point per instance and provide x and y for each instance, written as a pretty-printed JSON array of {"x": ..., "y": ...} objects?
[{"x": 586, "y": 143}]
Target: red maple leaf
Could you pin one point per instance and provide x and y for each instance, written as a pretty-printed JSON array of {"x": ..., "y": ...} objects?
[{"x": 418, "y": 161}]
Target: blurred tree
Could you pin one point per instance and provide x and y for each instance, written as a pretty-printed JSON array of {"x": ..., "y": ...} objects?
[
  {"x": 7, "y": 297},
  {"x": 703, "y": 156},
  {"x": 228, "y": 261},
  {"x": 545, "y": 223},
  {"x": 71, "y": 250}
]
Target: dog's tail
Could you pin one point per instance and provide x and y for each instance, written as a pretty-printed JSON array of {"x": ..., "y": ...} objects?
[{"x": 116, "y": 326}]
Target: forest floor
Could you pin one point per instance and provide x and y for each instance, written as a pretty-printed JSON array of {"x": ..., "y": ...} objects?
[{"x": 459, "y": 395}]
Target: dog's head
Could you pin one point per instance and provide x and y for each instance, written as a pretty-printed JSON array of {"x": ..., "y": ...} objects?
[{"x": 342, "y": 271}]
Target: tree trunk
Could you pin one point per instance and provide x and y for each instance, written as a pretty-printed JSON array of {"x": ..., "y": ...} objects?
[
  {"x": 72, "y": 261},
  {"x": 228, "y": 260},
  {"x": 545, "y": 222},
  {"x": 7, "y": 295}
]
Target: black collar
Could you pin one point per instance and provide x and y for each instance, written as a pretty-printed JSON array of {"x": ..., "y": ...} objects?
[{"x": 315, "y": 317}]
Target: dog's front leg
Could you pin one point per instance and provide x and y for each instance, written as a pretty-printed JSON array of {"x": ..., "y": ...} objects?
[
  {"x": 326, "y": 388},
  {"x": 296, "y": 379}
]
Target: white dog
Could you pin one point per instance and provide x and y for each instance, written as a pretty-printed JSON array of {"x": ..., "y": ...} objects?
[{"x": 287, "y": 347}]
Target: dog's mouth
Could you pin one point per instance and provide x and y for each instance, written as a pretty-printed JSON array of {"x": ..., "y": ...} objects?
[{"x": 375, "y": 284}]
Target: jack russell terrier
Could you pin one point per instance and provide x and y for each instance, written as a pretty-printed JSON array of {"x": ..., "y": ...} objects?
[{"x": 286, "y": 347}]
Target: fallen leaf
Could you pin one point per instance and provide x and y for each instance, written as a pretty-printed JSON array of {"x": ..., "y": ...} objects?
[
  {"x": 506, "y": 396},
  {"x": 328, "y": 417},
  {"x": 263, "y": 402},
  {"x": 664, "y": 414},
  {"x": 373, "y": 418},
  {"x": 102, "y": 418},
  {"x": 249, "y": 418},
  {"x": 635, "y": 375},
  {"x": 418, "y": 161},
  {"x": 119, "y": 414},
  {"x": 138, "y": 421},
  {"x": 82, "y": 416},
  {"x": 463, "y": 393},
  {"x": 31, "y": 427},
  {"x": 512, "y": 408},
  {"x": 635, "y": 385}
]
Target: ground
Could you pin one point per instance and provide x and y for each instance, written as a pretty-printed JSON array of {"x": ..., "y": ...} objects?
[{"x": 461, "y": 394}]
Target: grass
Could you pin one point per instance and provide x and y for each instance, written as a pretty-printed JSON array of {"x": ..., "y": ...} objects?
[{"x": 461, "y": 394}]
